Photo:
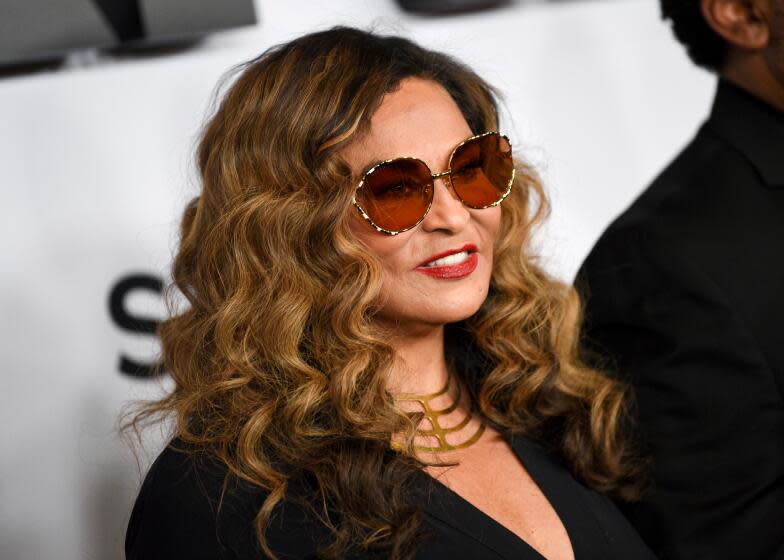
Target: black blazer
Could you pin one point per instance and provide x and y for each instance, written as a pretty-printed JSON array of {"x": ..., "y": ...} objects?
[
  {"x": 685, "y": 293},
  {"x": 177, "y": 516}
]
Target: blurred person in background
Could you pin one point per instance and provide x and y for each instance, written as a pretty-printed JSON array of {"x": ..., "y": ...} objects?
[
  {"x": 371, "y": 363},
  {"x": 685, "y": 293}
]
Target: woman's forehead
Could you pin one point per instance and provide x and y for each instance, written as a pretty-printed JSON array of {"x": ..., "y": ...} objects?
[{"x": 418, "y": 119}]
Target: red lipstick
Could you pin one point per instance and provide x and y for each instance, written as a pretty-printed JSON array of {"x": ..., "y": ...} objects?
[{"x": 451, "y": 271}]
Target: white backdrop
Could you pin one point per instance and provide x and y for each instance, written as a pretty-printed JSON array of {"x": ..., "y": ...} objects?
[{"x": 95, "y": 170}]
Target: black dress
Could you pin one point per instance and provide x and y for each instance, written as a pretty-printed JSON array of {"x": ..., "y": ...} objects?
[{"x": 176, "y": 516}]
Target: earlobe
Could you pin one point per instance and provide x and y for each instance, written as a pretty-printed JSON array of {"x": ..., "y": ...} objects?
[{"x": 742, "y": 23}]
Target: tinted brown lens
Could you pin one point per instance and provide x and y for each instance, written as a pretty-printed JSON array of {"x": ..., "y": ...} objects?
[
  {"x": 482, "y": 169},
  {"x": 397, "y": 194}
]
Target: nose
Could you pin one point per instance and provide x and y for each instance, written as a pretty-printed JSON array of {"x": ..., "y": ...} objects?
[{"x": 447, "y": 213}]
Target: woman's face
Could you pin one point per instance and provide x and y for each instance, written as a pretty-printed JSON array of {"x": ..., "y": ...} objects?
[{"x": 420, "y": 119}]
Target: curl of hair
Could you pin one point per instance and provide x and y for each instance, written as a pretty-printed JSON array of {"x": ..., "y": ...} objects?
[
  {"x": 703, "y": 45},
  {"x": 279, "y": 370}
]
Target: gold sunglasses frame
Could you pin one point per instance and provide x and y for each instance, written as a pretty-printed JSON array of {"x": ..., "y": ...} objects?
[{"x": 433, "y": 176}]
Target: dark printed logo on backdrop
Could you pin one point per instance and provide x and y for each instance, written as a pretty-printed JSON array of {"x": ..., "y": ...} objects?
[{"x": 127, "y": 321}]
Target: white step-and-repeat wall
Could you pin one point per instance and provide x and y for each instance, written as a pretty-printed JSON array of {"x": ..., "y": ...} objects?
[{"x": 95, "y": 167}]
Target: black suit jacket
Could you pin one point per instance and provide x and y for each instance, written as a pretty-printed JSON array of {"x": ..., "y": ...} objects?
[
  {"x": 685, "y": 293},
  {"x": 177, "y": 515}
]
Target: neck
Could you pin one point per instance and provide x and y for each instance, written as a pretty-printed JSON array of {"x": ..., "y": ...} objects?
[
  {"x": 421, "y": 363},
  {"x": 420, "y": 379},
  {"x": 751, "y": 72}
]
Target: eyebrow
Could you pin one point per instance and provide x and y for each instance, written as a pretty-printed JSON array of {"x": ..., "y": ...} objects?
[
  {"x": 371, "y": 165},
  {"x": 374, "y": 163}
]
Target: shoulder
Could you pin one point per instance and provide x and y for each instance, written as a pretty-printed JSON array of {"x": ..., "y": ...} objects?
[
  {"x": 710, "y": 194},
  {"x": 702, "y": 228},
  {"x": 634, "y": 266},
  {"x": 704, "y": 199},
  {"x": 176, "y": 509},
  {"x": 189, "y": 507}
]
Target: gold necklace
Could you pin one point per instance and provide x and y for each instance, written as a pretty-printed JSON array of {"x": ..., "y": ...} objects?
[{"x": 432, "y": 415}]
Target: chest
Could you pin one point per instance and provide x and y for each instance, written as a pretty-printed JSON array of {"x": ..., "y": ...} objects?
[{"x": 492, "y": 479}]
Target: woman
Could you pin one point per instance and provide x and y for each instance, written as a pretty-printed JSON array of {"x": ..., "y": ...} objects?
[{"x": 372, "y": 364}]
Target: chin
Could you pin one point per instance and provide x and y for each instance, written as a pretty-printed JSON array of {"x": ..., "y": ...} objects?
[
  {"x": 434, "y": 307},
  {"x": 460, "y": 312},
  {"x": 429, "y": 314}
]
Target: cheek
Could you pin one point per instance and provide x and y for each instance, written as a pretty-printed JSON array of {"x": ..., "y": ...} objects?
[
  {"x": 388, "y": 249},
  {"x": 488, "y": 223}
]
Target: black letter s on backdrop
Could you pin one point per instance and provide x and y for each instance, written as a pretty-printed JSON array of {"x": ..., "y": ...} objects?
[{"x": 142, "y": 325}]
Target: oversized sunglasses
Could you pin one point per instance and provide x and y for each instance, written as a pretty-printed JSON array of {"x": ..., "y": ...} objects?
[{"x": 396, "y": 195}]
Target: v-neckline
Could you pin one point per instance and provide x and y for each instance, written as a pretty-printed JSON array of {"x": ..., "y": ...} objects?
[{"x": 449, "y": 506}]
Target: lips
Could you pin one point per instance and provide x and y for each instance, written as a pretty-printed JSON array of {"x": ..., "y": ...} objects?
[
  {"x": 469, "y": 247},
  {"x": 463, "y": 262}
]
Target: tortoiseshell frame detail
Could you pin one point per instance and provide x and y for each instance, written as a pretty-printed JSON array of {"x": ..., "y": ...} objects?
[{"x": 447, "y": 174}]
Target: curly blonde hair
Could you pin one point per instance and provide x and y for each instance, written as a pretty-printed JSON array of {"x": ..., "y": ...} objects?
[{"x": 278, "y": 368}]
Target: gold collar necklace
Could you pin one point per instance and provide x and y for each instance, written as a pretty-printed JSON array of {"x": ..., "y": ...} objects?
[{"x": 433, "y": 415}]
